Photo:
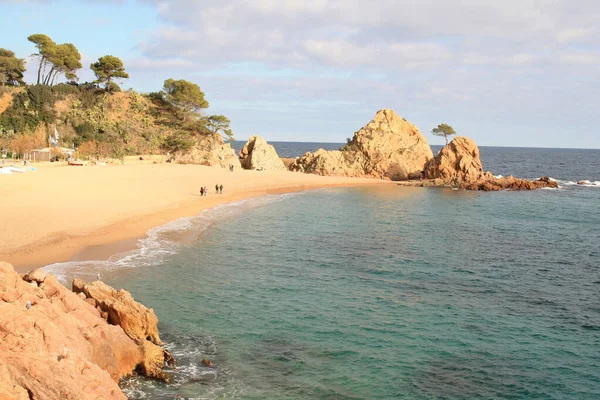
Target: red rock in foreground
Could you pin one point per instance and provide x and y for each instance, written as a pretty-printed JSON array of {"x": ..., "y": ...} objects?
[
  {"x": 458, "y": 164},
  {"x": 61, "y": 347}
]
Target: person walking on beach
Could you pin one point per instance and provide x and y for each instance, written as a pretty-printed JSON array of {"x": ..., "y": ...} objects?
[
  {"x": 201, "y": 190},
  {"x": 221, "y": 189},
  {"x": 217, "y": 188},
  {"x": 205, "y": 190}
]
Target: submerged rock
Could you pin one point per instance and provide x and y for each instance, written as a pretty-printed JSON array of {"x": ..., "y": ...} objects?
[
  {"x": 257, "y": 154},
  {"x": 61, "y": 348},
  {"x": 388, "y": 147}
]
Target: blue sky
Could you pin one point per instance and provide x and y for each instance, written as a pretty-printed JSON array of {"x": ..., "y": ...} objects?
[{"x": 510, "y": 73}]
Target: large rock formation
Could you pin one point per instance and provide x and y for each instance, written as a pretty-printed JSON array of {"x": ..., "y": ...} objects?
[
  {"x": 55, "y": 344},
  {"x": 388, "y": 147},
  {"x": 458, "y": 164},
  {"x": 259, "y": 155},
  {"x": 211, "y": 150}
]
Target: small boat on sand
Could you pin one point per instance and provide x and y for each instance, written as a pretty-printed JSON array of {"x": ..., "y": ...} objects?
[{"x": 77, "y": 163}]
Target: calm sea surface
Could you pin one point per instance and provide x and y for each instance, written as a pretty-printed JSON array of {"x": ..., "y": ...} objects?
[{"x": 381, "y": 293}]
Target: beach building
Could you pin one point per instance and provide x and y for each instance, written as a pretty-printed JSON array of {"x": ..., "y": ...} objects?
[{"x": 47, "y": 153}]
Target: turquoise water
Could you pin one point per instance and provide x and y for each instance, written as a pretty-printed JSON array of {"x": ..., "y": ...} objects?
[{"x": 380, "y": 293}]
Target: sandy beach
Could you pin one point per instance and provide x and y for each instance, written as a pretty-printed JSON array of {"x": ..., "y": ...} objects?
[{"x": 59, "y": 213}]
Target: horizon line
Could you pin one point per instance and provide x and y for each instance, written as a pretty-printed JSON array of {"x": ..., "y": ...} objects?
[{"x": 442, "y": 145}]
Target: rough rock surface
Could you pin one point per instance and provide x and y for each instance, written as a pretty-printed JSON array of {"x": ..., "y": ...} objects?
[
  {"x": 137, "y": 321},
  {"x": 509, "y": 183},
  {"x": 211, "y": 150},
  {"x": 388, "y": 147},
  {"x": 259, "y": 155},
  {"x": 458, "y": 164},
  {"x": 459, "y": 161},
  {"x": 61, "y": 347}
]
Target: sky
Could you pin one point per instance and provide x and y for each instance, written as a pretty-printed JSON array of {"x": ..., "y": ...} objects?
[{"x": 504, "y": 73}]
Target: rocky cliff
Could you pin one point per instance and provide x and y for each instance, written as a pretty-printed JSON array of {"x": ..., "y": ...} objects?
[
  {"x": 388, "y": 147},
  {"x": 459, "y": 164},
  {"x": 56, "y": 344},
  {"x": 211, "y": 150},
  {"x": 259, "y": 155}
]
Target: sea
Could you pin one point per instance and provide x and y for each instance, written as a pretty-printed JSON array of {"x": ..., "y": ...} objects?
[{"x": 379, "y": 292}]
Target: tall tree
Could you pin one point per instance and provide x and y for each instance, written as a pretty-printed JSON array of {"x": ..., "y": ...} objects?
[
  {"x": 444, "y": 130},
  {"x": 61, "y": 59},
  {"x": 11, "y": 68},
  {"x": 184, "y": 95},
  {"x": 65, "y": 60},
  {"x": 219, "y": 124},
  {"x": 44, "y": 45},
  {"x": 107, "y": 68}
]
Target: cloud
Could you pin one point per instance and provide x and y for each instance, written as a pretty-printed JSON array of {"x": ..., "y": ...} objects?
[{"x": 491, "y": 67}]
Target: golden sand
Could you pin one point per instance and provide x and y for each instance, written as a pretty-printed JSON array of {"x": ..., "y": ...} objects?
[{"x": 57, "y": 213}]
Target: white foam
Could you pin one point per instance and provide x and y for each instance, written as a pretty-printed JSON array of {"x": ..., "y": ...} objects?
[
  {"x": 161, "y": 242},
  {"x": 581, "y": 183}
]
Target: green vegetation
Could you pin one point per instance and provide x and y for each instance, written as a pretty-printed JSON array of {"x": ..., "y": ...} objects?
[
  {"x": 98, "y": 122},
  {"x": 444, "y": 130},
  {"x": 184, "y": 96},
  {"x": 108, "y": 68},
  {"x": 11, "y": 68},
  {"x": 55, "y": 59}
]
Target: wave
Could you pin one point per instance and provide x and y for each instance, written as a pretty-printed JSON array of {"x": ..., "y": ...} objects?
[
  {"x": 582, "y": 183},
  {"x": 162, "y": 241}
]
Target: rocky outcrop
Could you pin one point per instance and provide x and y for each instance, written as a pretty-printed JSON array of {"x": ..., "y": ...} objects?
[
  {"x": 55, "y": 344},
  {"x": 137, "y": 321},
  {"x": 210, "y": 150},
  {"x": 140, "y": 323},
  {"x": 257, "y": 154},
  {"x": 388, "y": 147},
  {"x": 459, "y": 164},
  {"x": 509, "y": 183}
]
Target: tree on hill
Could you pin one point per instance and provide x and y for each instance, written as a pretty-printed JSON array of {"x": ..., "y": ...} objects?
[
  {"x": 185, "y": 96},
  {"x": 107, "y": 68},
  {"x": 11, "y": 68},
  {"x": 219, "y": 124},
  {"x": 44, "y": 45},
  {"x": 55, "y": 59},
  {"x": 65, "y": 60},
  {"x": 444, "y": 130},
  {"x": 179, "y": 142}
]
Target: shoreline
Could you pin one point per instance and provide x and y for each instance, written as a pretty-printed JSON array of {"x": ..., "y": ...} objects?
[{"x": 123, "y": 236}]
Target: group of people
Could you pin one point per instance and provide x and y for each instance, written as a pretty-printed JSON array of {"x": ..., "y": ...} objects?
[{"x": 218, "y": 190}]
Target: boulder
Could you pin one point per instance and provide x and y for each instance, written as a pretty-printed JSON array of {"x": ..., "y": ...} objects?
[
  {"x": 459, "y": 162},
  {"x": 35, "y": 276},
  {"x": 259, "y": 155},
  {"x": 388, "y": 147},
  {"x": 210, "y": 150},
  {"x": 137, "y": 321}
]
